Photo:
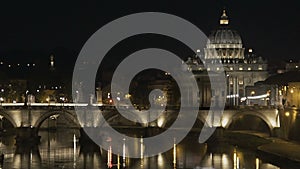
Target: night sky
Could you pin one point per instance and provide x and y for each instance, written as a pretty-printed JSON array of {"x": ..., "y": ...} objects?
[{"x": 271, "y": 28}]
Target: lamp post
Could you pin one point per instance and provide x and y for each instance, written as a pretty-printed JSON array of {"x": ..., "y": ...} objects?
[
  {"x": 48, "y": 100},
  {"x": 1, "y": 100},
  {"x": 62, "y": 100},
  {"x": 30, "y": 99},
  {"x": 1, "y": 122}
]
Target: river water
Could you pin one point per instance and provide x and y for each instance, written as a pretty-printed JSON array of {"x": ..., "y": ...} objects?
[{"x": 60, "y": 149}]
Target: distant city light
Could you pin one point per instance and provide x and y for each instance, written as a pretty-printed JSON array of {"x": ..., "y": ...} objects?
[
  {"x": 127, "y": 96},
  {"x": 287, "y": 114}
]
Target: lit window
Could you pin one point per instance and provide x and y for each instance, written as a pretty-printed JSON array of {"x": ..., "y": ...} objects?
[{"x": 240, "y": 68}]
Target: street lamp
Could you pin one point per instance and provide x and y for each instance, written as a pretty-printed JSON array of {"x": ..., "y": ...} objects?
[
  {"x": 48, "y": 100},
  {"x": 62, "y": 99},
  {"x": 1, "y": 100},
  {"x": 1, "y": 122}
]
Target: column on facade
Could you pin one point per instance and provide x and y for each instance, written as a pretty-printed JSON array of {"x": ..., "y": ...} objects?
[
  {"x": 237, "y": 92},
  {"x": 234, "y": 90},
  {"x": 228, "y": 90}
]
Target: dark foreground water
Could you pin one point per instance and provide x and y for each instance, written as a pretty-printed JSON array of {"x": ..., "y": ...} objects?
[{"x": 59, "y": 149}]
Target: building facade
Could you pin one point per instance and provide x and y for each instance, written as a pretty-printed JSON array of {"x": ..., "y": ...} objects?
[{"x": 225, "y": 52}]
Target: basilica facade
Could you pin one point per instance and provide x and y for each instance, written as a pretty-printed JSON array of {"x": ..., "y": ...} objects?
[{"x": 225, "y": 53}]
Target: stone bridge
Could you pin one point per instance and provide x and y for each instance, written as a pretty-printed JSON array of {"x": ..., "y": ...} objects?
[{"x": 33, "y": 116}]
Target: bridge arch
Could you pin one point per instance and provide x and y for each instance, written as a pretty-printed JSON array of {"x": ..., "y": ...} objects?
[
  {"x": 260, "y": 115},
  {"x": 50, "y": 113},
  {"x": 170, "y": 118},
  {"x": 110, "y": 115},
  {"x": 9, "y": 118}
]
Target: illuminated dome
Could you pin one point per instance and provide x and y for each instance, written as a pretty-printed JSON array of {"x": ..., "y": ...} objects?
[
  {"x": 225, "y": 36},
  {"x": 224, "y": 43}
]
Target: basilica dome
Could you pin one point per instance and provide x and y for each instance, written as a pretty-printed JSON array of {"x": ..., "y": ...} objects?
[
  {"x": 224, "y": 43},
  {"x": 225, "y": 36}
]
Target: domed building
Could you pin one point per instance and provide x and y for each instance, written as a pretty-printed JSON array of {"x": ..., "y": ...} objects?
[
  {"x": 225, "y": 52},
  {"x": 224, "y": 43}
]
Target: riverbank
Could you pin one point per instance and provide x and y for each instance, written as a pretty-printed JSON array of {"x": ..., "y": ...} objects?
[
  {"x": 269, "y": 147},
  {"x": 282, "y": 149}
]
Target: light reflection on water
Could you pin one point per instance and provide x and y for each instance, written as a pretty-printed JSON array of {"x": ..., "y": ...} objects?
[{"x": 60, "y": 149}]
